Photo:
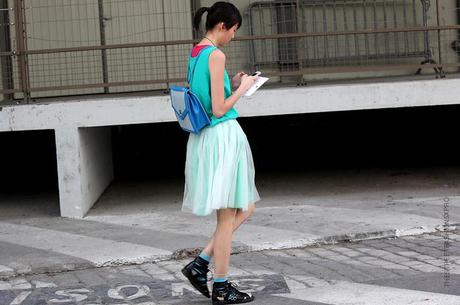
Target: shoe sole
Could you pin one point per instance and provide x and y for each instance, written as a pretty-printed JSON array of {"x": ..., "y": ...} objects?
[
  {"x": 189, "y": 277},
  {"x": 216, "y": 302}
]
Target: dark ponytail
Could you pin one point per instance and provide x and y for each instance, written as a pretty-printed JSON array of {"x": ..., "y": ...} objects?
[
  {"x": 220, "y": 11},
  {"x": 197, "y": 18}
]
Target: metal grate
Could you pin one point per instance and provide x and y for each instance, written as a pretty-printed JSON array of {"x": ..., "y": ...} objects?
[
  {"x": 6, "y": 59},
  {"x": 69, "y": 47},
  {"x": 93, "y": 46},
  {"x": 333, "y": 16}
]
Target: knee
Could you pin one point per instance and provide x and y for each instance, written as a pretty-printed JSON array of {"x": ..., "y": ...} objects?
[{"x": 226, "y": 217}]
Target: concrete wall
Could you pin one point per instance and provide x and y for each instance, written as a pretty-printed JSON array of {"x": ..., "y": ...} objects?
[{"x": 85, "y": 167}]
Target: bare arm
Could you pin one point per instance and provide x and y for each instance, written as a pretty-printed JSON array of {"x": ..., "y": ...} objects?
[{"x": 220, "y": 105}]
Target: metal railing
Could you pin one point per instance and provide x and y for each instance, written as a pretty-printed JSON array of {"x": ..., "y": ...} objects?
[
  {"x": 331, "y": 17},
  {"x": 48, "y": 48}
]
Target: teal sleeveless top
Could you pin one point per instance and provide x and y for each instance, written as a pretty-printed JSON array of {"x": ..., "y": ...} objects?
[{"x": 201, "y": 85}]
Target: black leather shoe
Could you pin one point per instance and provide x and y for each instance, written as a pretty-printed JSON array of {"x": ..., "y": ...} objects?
[
  {"x": 226, "y": 293},
  {"x": 196, "y": 271}
]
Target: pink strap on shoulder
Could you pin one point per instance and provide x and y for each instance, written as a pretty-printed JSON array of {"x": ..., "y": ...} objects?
[{"x": 196, "y": 50}]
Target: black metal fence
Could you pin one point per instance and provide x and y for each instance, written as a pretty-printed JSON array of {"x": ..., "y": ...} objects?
[{"x": 61, "y": 48}]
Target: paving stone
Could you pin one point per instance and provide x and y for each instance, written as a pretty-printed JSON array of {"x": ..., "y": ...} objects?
[
  {"x": 90, "y": 277},
  {"x": 267, "y": 271},
  {"x": 157, "y": 272},
  {"x": 134, "y": 271}
]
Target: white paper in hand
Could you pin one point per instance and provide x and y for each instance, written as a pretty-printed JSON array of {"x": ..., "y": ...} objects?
[{"x": 258, "y": 83}]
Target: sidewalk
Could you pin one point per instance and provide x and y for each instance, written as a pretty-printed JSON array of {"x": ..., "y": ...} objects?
[
  {"x": 402, "y": 271},
  {"x": 140, "y": 221}
]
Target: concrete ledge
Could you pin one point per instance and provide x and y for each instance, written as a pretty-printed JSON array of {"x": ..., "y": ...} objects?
[
  {"x": 290, "y": 100},
  {"x": 353, "y": 97},
  {"x": 84, "y": 154}
]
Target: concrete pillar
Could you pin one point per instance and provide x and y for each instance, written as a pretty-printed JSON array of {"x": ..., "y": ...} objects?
[{"x": 85, "y": 167}]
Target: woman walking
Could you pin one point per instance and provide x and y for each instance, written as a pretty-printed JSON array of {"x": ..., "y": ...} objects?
[{"x": 219, "y": 169}]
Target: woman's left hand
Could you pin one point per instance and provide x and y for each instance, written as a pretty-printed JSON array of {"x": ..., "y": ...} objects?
[{"x": 236, "y": 80}]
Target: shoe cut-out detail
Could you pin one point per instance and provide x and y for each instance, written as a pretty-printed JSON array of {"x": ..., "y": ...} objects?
[
  {"x": 227, "y": 293},
  {"x": 196, "y": 272}
]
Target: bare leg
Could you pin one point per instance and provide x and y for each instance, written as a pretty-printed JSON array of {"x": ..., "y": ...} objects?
[
  {"x": 223, "y": 241},
  {"x": 240, "y": 218}
]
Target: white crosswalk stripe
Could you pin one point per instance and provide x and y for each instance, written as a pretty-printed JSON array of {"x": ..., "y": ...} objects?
[
  {"x": 266, "y": 237},
  {"x": 348, "y": 293},
  {"x": 99, "y": 251},
  {"x": 6, "y": 270}
]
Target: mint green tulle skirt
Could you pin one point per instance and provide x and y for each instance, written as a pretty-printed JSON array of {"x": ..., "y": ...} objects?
[{"x": 219, "y": 170}]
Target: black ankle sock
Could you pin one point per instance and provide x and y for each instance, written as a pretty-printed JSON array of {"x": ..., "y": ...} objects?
[
  {"x": 220, "y": 284},
  {"x": 201, "y": 261}
]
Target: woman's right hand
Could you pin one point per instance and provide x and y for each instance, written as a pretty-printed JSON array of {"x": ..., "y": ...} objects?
[{"x": 246, "y": 83}]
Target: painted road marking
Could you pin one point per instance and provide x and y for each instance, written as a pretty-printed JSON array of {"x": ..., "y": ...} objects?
[
  {"x": 5, "y": 270},
  {"x": 305, "y": 288},
  {"x": 99, "y": 251},
  {"x": 266, "y": 237},
  {"x": 144, "y": 291},
  {"x": 348, "y": 293},
  {"x": 20, "y": 298}
]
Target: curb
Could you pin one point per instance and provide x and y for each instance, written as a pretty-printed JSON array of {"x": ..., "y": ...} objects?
[{"x": 23, "y": 270}]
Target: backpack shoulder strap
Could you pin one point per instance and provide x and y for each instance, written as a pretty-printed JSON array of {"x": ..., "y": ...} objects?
[{"x": 190, "y": 75}]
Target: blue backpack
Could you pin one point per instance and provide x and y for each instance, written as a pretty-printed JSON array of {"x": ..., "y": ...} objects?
[{"x": 190, "y": 113}]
